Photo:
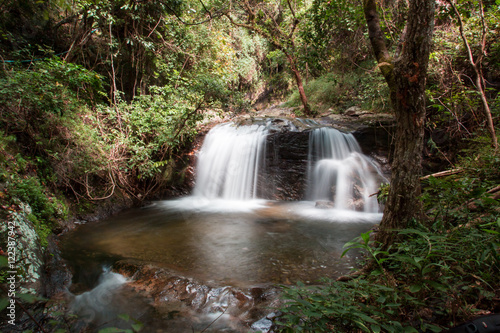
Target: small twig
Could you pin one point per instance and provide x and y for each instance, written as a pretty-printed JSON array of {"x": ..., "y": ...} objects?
[
  {"x": 69, "y": 51},
  {"x": 215, "y": 320},
  {"x": 182, "y": 69},
  {"x": 161, "y": 17},
  {"x": 495, "y": 189}
]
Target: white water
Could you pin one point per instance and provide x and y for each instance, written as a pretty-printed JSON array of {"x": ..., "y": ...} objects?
[
  {"x": 229, "y": 162},
  {"x": 95, "y": 303},
  {"x": 339, "y": 173}
]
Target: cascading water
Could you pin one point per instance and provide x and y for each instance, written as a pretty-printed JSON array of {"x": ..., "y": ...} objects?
[
  {"x": 229, "y": 162},
  {"x": 338, "y": 172}
]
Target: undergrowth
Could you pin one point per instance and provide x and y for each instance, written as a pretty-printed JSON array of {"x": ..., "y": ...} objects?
[{"x": 339, "y": 91}]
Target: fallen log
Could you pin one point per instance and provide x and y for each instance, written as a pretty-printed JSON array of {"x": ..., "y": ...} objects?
[{"x": 442, "y": 174}]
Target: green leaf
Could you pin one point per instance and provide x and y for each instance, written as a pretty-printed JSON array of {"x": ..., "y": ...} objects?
[
  {"x": 3, "y": 260},
  {"x": 427, "y": 269},
  {"x": 437, "y": 285},
  {"x": 4, "y": 302},
  {"x": 415, "y": 288},
  {"x": 137, "y": 326},
  {"x": 124, "y": 316},
  {"x": 375, "y": 328},
  {"x": 433, "y": 328},
  {"x": 366, "y": 318},
  {"x": 28, "y": 298},
  {"x": 409, "y": 329},
  {"x": 304, "y": 303}
]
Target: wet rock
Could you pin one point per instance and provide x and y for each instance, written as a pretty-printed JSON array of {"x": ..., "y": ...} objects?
[
  {"x": 188, "y": 298},
  {"x": 56, "y": 275},
  {"x": 285, "y": 173},
  {"x": 353, "y": 111},
  {"x": 257, "y": 293},
  {"x": 263, "y": 325},
  {"x": 357, "y": 205},
  {"x": 325, "y": 204},
  {"x": 375, "y": 141}
]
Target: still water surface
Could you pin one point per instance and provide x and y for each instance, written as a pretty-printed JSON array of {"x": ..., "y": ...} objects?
[{"x": 226, "y": 242}]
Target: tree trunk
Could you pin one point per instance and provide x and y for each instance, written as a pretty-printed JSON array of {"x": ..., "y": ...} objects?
[
  {"x": 300, "y": 86},
  {"x": 406, "y": 77}
]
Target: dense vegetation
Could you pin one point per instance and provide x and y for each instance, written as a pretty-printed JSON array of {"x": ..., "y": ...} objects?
[{"x": 100, "y": 99}]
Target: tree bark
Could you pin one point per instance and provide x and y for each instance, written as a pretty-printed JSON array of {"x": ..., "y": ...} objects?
[{"x": 406, "y": 78}]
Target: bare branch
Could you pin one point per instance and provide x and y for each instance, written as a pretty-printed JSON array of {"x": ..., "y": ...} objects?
[
  {"x": 156, "y": 26},
  {"x": 291, "y": 9},
  {"x": 113, "y": 186},
  {"x": 476, "y": 65}
]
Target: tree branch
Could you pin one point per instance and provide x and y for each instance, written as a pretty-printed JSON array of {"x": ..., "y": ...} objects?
[
  {"x": 442, "y": 174},
  {"x": 67, "y": 19},
  {"x": 377, "y": 41},
  {"x": 210, "y": 15}
]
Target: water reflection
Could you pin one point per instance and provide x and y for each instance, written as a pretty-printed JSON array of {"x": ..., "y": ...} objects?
[{"x": 228, "y": 243}]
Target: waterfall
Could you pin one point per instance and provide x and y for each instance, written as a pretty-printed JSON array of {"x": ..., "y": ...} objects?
[
  {"x": 339, "y": 173},
  {"x": 229, "y": 162}
]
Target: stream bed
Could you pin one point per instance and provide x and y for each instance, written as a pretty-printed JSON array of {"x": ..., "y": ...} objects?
[{"x": 210, "y": 248}]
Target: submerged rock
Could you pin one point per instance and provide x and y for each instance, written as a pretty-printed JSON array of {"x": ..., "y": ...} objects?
[{"x": 186, "y": 300}]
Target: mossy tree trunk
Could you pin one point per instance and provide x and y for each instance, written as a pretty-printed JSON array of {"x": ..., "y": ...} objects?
[{"x": 406, "y": 78}]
